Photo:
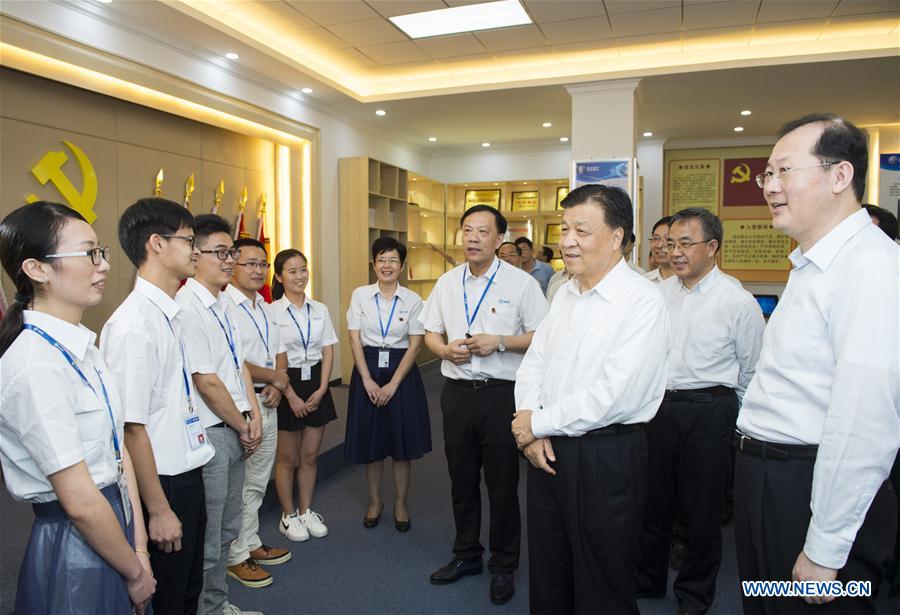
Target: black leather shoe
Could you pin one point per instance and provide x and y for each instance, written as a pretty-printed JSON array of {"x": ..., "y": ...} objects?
[
  {"x": 402, "y": 526},
  {"x": 502, "y": 588},
  {"x": 370, "y": 522},
  {"x": 455, "y": 570}
]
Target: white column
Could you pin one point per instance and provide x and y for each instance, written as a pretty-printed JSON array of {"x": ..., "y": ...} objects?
[{"x": 603, "y": 115}]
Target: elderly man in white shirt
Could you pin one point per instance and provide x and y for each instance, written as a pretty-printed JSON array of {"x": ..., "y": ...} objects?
[
  {"x": 591, "y": 380},
  {"x": 715, "y": 338},
  {"x": 819, "y": 426}
]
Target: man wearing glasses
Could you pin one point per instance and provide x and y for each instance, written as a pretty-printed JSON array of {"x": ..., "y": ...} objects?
[
  {"x": 714, "y": 343},
  {"x": 267, "y": 361},
  {"x": 820, "y": 423},
  {"x": 143, "y": 345},
  {"x": 226, "y": 405}
]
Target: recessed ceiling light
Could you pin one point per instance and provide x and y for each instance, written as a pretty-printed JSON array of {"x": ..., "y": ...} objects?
[
  {"x": 524, "y": 183},
  {"x": 746, "y": 112},
  {"x": 232, "y": 55},
  {"x": 415, "y": 179},
  {"x": 739, "y": 129},
  {"x": 547, "y": 124},
  {"x": 468, "y": 18},
  {"x": 306, "y": 90},
  {"x": 564, "y": 139},
  {"x": 432, "y": 139},
  {"x": 647, "y": 133},
  {"x": 496, "y": 183},
  {"x": 104, "y": 1},
  {"x": 380, "y": 112},
  {"x": 485, "y": 144}
]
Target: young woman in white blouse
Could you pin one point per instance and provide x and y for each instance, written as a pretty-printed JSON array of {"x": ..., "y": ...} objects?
[
  {"x": 387, "y": 412},
  {"x": 308, "y": 336},
  {"x": 61, "y": 424}
]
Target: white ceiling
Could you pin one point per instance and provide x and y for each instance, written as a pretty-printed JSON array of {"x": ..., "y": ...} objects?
[{"x": 687, "y": 105}]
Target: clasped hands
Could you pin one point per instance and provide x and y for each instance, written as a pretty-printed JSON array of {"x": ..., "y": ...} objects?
[
  {"x": 481, "y": 345},
  {"x": 538, "y": 451},
  {"x": 379, "y": 395}
]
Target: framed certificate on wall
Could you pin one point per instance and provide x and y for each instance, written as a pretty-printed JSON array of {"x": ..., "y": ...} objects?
[
  {"x": 483, "y": 197},
  {"x": 551, "y": 235},
  {"x": 524, "y": 201}
]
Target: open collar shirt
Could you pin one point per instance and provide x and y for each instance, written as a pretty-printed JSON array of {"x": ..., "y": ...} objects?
[
  {"x": 255, "y": 323},
  {"x": 829, "y": 374},
  {"x": 363, "y": 316},
  {"x": 598, "y": 359},
  {"x": 316, "y": 320}
]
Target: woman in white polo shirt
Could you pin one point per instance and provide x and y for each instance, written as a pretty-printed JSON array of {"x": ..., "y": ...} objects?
[
  {"x": 387, "y": 412},
  {"x": 61, "y": 424},
  {"x": 308, "y": 336}
]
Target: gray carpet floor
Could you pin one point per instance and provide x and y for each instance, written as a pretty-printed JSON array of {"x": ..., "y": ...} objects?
[{"x": 373, "y": 571}]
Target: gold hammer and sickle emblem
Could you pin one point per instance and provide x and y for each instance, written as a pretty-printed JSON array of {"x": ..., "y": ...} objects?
[
  {"x": 740, "y": 174},
  {"x": 49, "y": 169}
]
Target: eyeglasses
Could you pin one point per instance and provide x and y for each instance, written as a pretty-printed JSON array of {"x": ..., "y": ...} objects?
[
  {"x": 187, "y": 238},
  {"x": 387, "y": 261},
  {"x": 762, "y": 178},
  {"x": 262, "y": 266},
  {"x": 223, "y": 253},
  {"x": 684, "y": 245},
  {"x": 96, "y": 254}
]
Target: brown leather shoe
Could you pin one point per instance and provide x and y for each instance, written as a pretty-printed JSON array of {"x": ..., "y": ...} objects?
[
  {"x": 269, "y": 556},
  {"x": 249, "y": 574}
]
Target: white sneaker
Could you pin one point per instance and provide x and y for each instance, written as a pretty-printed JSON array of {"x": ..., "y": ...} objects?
[
  {"x": 293, "y": 528},
  {"x": 230, "y": 609},
  {"x": 313, "y": 522}
]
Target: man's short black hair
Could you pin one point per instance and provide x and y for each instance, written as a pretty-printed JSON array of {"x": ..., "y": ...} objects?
[
  {"x": 209, "y": 224},
  {"x": 615, "y": 202},
  {"x": 887, "y": 221},
  {"x": 667, "y": 220},
  {"x": 146, "y": 217},
  {"x": 244, "y": 242},
  {"x": 525, "y": 240},
  {"x": 386, "y": 244},
  {"x": 712, "y": 226},
  {"x": 513, "y": 244},
  {"x": 548, "y": 252},
  {"x": 498, "y": 217},
  {"x": 840, "y": 140}
]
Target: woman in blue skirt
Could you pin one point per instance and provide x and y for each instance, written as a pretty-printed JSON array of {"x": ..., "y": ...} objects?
[
  {"x": 61, "y": 425},
  {"x": 387, "y": 412}
]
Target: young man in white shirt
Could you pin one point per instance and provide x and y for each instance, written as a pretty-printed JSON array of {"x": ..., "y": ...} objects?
[
  {"x": 591, "y": 380},
  {"x": 226, "y": 405},
  {"x": 819, "y": 426},
  {"x": 658, "y": 252},
  {"x": 267, "y": 361},
  {"x": 539, "y": 270},
  {"x": 479, "y": 320},
  {"x": 143, "y": 347},
  {"x": 715, "y": 337}
]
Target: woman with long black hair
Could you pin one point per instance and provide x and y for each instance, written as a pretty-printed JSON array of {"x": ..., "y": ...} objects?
[{"x": 61, "y": 425}]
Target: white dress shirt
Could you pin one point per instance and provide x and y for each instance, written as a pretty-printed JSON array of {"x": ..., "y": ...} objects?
[
  {"x": 321, "y": 331},
  {"x": 829, "y": 374},
  {"x": 514, "y": 305},
  {"x": 49, "y": 419},
  {"x": 145, "y": 355},
  {"x": 654, "y": 276},
  {"x": 637, "y": 268},
  {"x": 207, "y": 344},
  {"x": 598, "y": 358},
  {"x": 363, "y": 316},
  {"x": 256, "y": 326},
  {"x": 716, "y": 333}
]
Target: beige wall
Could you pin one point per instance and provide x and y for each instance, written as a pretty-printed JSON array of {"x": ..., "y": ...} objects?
[{"x": 127, "y": 145}]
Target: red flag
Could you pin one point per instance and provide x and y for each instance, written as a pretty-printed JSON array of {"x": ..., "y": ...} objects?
[{"x": 266, "y": 290}]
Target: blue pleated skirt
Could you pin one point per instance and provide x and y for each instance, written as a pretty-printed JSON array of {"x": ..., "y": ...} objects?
[
  {"x": 401, "y": 429},
  {"x": 62, "y": 575}
]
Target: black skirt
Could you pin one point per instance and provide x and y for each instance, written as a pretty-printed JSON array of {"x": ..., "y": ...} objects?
[
  {"x": 304, "y": 388},
  {"x": 401, "y": 429}
]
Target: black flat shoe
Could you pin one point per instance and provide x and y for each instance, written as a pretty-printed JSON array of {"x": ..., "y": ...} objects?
[
  {"x": 502, "y": 588},
  {"x": 455, "y": 570},
  {"x": 370, "y": 522},
  {"x": 402, "y": 526}
]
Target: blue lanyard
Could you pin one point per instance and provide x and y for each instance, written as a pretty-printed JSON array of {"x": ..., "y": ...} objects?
[
  {"x": 184, "y": 372},
  {"x": 265, "y": 340},
  {"x": 229, "y": 337},
  {"x": 303, "y": 340},
  {"x": 52, "y": 341},
  {"x": 484, "y": 293},
  {"x": 384, "y": 330}
]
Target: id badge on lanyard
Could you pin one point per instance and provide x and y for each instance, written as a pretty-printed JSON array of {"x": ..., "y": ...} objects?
[
  {"x": 384, "y": 355},
  {"x": 193, "y": 429},
  {"x": 305, "y": 372}
]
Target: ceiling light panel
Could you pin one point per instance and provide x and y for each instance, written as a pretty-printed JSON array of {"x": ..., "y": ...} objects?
[{"x": 468, "y": 18}]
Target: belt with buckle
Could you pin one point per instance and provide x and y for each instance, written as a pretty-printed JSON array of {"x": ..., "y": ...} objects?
[
  {"x": 618, "y": 428},
  {"x": 704, "y": 395},
  {"x": 767, "y": 450},
  {"x": 479, "y": 384}
]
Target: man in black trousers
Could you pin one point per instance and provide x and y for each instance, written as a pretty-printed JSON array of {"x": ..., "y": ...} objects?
[{"x": 479, "y": 320}]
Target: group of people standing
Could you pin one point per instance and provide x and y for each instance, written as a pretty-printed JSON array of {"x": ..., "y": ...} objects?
[{"x": 634, "y": 398}]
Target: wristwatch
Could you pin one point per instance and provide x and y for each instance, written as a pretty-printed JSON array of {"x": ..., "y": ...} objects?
[{"x": 502, "y": 346}]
